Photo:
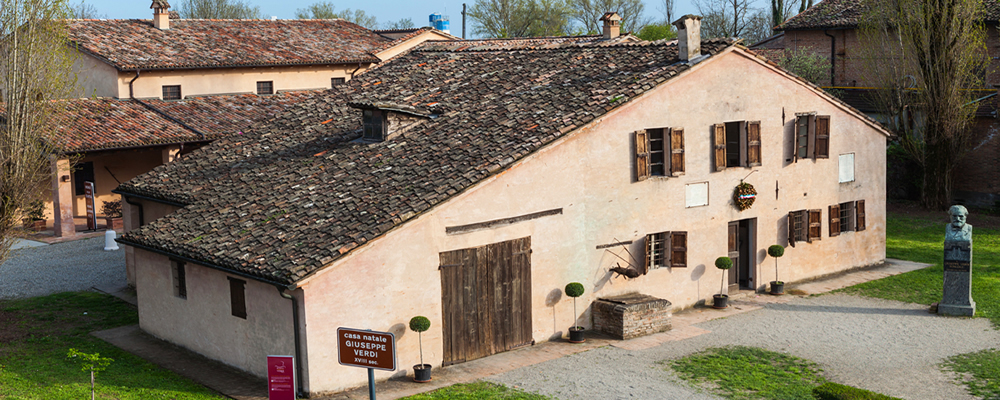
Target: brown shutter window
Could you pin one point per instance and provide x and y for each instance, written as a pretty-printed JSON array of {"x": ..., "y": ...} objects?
[
  {"x": 801, "y": 137},
  {"x": 677, "y": 151},
  {"x": 791, "y": 229},
  {"x": 657, "y": 249},
  {"x": 720, "y": 147},
  {"x": 753, "y": 143},
  {"x": 237, "y": 297},
  {"x": 834, "y": 220},
  {"x": 823, "y": 136},
  {"x": 641, "y": 155},
  {"x": 678, "y": 249},
  {"x": 859, "y": 216},
  {"x": 815, "y": 225}
]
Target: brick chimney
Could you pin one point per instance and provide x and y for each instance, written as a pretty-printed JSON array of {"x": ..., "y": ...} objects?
[
  {"x": 161, "y": 14},
  {"x": 688, "y": 37},
  {"x": 612, "y": 25}
]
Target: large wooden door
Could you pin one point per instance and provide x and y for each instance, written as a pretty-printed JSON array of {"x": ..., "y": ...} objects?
[{"x": 486, "y": 299}]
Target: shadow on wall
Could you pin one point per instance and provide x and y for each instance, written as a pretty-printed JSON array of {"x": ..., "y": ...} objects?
[{"x": 551, "y": 300}]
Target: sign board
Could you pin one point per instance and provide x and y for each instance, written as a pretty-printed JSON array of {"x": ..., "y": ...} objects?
[
  {"x": 366, "y": 349},
  {"x": 88, "y": 194},
  {"x": 280, "y": 378}
]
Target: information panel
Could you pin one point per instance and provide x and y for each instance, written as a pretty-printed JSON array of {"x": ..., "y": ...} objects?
[
  {"x": 280, "y": 378},
  {"x": 367, "y": 349},
  {"x": 88, "y": 194}
]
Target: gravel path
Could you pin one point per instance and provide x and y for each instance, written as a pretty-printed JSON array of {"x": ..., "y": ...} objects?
[
  {"x": 62, "y": 267},
  {"x": 885, "y": 346}
]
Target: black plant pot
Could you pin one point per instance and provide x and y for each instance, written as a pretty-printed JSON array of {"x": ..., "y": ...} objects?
[
  {"x": 422, "y": 373},
  {"x": 720, "y": 301},
  {"x": 576, "y": 335},
  {"x": 777, "y": 288}
]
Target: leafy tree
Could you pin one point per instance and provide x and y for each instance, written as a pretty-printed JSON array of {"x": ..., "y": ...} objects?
[
  {"x": 219, "y": 9},
  {"x": 327, "y": 10},
  {"x": 806, "y": 64},
  {"x": 657, "y": 32},
  {"x": 405, "y": 23},
  {"x": 552, "y": 19},
  {"x": 923, "y": 55},
  {"x": 588, "y": 12},
  {"x": 85, "y": 11},
  {"x": 503, "y": 18},
  {"x": 93, "y": 363},
  {"x": 35, "y": 67}
]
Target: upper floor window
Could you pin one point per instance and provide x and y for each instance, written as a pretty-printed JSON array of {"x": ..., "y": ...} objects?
[
  {"x": 237, "y": 297},
  {"x": 375, "y": 125},
  {"x": 659, "y": 152},
  {"x": 334, "y": 82},
  {"x": 737, "y": 144},
  {"x": 265, "y": 87},
  {"x": 171, "y": 92},
  {"x": 812, "y": 136}
]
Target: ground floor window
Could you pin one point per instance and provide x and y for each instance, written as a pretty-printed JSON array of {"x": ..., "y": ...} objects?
[
  {"x": 180, "y": 278},
  {"x": 804, "y": 226},
  {"x": 666, "y": 249},
  {"x": 847, "y": 217}
]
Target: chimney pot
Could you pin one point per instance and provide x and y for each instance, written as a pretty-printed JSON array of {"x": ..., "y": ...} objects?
[
  {"x": 612, "y": 25},
  {"x": 688, "y": 37},
  {"x": 161, "y": 14}
]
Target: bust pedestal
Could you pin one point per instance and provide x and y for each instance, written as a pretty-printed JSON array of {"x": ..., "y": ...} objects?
[{"x": 957, "y": 299}]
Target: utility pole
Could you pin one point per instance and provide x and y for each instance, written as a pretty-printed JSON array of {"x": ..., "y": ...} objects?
[{"x": 463, "y": 20}]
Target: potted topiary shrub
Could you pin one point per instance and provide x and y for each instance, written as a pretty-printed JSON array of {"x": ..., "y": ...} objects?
[
  {"x": 776, "y": 251},
  {"x": 574, "y": 290},
  {"x": 35, "y": 220},
  {"x": 721, "y": 300},
  {"x": 421, "y": 372},
  {"x": 112, "y": 211}
]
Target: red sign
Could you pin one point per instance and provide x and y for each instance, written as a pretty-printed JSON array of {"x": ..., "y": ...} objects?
[
  {"x": 367, "y": 349},
  {"x": 280, "y": 378},
  {"x": 88, "y": 194}
]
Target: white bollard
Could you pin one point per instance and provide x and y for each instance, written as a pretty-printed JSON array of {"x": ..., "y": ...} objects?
[{"x": 109, "y": 240}]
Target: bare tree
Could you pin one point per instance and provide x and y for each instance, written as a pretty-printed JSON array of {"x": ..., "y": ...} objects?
[
  {"x": 86, "y": 11},
  {"x": 805, "y": 5},
  {"x": 731, "y": 18},
  {"x": 404, "y": 23},
  {"x": 588, "y": 12},
  {"x": 668, "y": 11},
  {"x": 35, "y": 68},
  {"x": 781, "y": 11},
  {"x": 923, "y": 55},
  {"x": 219, "y": 9},
  {"x": 326, "y": 10}
]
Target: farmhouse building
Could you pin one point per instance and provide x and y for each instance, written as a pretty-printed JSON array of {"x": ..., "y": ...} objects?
[{"x": 470, "y": 186}]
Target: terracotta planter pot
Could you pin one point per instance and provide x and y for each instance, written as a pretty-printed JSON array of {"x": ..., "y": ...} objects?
[
  {"x": 36, "y": 225},
  {"x": 576, "y": 335},
  {"x": 116, "y": 224},
  {"x": 720, "y": 301},
  {"x": 422, "y": 373}
]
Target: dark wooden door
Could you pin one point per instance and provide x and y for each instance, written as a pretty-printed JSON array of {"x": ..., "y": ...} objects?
[
  {"x": 486, "y": 299},
  {"x": 734, "y": 254}
]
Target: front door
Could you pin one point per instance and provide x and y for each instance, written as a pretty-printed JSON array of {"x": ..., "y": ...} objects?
[
  {"x": 742, "y": 247},
  {"x": 486, "y": 299}
]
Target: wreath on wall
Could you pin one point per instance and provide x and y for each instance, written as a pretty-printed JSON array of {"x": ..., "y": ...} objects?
[{"x": 744, "y": 196}]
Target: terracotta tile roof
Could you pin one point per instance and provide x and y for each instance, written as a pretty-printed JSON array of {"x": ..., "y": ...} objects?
[
  {"x": 830, "y": 14},
  {"x": 194, "y": 43},
  {"x": 526, "y": 43},
  {"x": 217, "y": 116},
  {"x": 297, "y": 193}
]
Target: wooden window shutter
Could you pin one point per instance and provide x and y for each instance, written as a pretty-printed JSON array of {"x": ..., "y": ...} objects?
[
  {"x": 822, "y": 149},
  {"x": 834, "y": 220},
  {"x": 641, "y": 155},
  {"x": 815, "y": 226},
  {"x": 678, "y": 249},
  {"x": 753, "y": 143},
  {"x": 649, "y": 252},
  {"x": 720, "y": 147},
  {"x": 734, "y": 246},
  {"x": 859, "y": 216},
  {"x": 677, "y": 151},
  {"x": 791, "y": 229}
]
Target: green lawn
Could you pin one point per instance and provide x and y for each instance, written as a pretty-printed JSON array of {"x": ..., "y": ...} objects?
[
  {"x": 980, "y": 372},
  {"x": 476, "y": 391},
  {"x": 739, "y": 372},
  {"x": 922, "y": 240},
  {"x": 36, "y": 334}
]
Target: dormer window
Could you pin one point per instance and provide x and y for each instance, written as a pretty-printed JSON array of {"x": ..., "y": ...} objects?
[{"x": 375, "y": 125}]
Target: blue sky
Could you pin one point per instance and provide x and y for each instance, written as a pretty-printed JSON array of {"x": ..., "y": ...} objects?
[{"x": 384, "y": 10}]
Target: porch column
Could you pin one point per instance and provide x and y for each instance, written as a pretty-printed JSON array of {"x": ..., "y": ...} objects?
[
  {"x": 62, "y": 197},
  {"x": 170, "y": 153}
]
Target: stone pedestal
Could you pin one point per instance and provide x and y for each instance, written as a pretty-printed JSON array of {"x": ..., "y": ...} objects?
[
  {"x": 957, "y": 299},
  {"x": 631, "y": 315}
]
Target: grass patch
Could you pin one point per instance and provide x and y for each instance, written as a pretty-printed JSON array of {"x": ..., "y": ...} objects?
[
  {"x": 740, "y": 372},
  {"x": 980, "y": 372},
  {"x": 922, "y": 240},
  {"x": 477, "y": 390},
  {"x": 36, "y": 334}
]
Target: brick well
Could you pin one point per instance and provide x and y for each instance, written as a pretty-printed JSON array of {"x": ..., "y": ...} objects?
[{"x": 631, "y": 315}]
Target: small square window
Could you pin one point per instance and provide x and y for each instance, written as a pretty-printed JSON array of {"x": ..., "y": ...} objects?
[
  {"x": 172, "y": 92},
  {"x": 334, "y": 82},
  {"x": 265, "y": 87}
]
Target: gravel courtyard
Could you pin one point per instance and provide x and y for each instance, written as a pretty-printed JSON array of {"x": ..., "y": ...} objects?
[
  {"x": 885, "y": 346},
  {"x": 62, "y": 267}
]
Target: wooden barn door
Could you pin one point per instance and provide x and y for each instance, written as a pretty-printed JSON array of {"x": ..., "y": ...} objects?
[{"x": 486, "y": 299}]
